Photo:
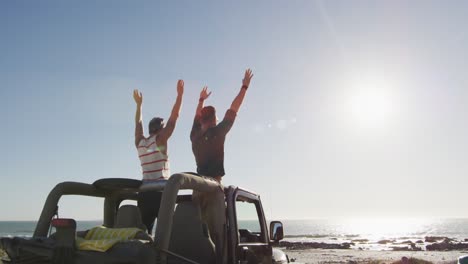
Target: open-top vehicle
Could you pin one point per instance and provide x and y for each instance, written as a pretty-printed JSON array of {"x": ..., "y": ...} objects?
[{"x": 180, "y": 237}]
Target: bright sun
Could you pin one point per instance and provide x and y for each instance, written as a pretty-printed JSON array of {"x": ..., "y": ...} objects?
[
  {"x": 370, "y": 102},
  {"x": 371, "y": 106}
]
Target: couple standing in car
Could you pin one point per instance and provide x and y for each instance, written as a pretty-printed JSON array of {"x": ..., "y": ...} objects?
[{"x": 207, "y": 137}]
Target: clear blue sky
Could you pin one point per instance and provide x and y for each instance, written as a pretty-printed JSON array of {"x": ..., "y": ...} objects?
[{"x": 357, "y": 108}]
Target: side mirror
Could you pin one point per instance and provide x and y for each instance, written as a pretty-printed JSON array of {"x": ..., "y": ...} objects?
[{"x": 276, "y": 231}]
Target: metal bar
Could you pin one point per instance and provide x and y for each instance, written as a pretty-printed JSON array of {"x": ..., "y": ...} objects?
[{"x": 178, "y": 256}]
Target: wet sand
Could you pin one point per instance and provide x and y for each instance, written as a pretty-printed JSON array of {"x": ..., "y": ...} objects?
[{"x": 316, "y": 256}]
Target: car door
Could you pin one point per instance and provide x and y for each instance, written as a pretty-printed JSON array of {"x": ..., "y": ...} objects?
[{"x": 251, "y": 232}]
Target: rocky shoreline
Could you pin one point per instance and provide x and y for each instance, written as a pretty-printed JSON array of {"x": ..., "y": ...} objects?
[
  {"x": 428, "y": 244},
  {"x": 351, "y": 256},
  {"x": 313, "y": 245}
]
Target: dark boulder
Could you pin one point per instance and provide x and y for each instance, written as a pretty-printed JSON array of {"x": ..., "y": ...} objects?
[
  {"x": 445, "y": 246},
  {"x": 433, "y": 239},
  {"x": 385, "y": 241},
  {"x": 407, "y": 242}
]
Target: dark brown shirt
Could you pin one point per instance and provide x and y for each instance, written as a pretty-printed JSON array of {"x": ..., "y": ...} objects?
[{"x": 208, "y": 147}]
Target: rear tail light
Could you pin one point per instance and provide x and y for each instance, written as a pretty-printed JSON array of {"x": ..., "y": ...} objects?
[{"x": 63, "y": 222}]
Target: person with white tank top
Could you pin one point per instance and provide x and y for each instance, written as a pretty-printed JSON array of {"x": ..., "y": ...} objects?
[{"x": 153, "y": 154}]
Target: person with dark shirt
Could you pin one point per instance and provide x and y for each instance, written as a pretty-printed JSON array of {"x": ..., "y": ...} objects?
[{"x": 208, "y": 148}]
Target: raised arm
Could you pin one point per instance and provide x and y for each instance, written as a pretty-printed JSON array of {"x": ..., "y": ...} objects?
[
  {"x": 204, "y": 94},
  {"x": 240, "y": 96},
  {"x": 138, "y": 97},
  {"x": 166, "y": 132}
]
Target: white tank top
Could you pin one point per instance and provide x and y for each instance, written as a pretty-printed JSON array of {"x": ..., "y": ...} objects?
[{"x": 154, "y": 163}]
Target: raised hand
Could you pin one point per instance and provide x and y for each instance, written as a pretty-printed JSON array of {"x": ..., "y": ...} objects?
[
  {"x": 204, "y": 94},
  {"x": 138, "y": 97},
  {"x": 247, "y": 77},
  {"x": 180, "y": 87}
]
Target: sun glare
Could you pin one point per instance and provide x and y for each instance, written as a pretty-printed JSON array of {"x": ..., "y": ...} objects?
[
  {"x": 370, "y": 106},
  {"x": 370, "y": 101},
  {"x": 377, "y": 228}
]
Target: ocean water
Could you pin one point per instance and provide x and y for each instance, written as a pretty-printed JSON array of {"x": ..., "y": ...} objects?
[
  {"x": 379, "y": 228},
  {"x": 376, "y": 234},
  {"x": 371, "y": 234}
]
